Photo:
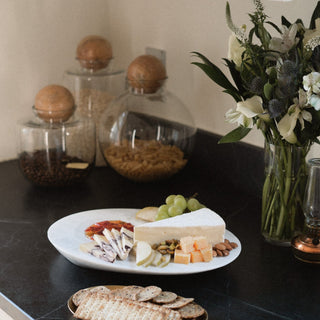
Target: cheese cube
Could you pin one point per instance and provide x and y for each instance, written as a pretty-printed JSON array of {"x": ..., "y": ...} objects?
[
  {"x": 200, "y": 242},
  {"x": 206, "y": 254},
  {"x": 186, "y": 244},
  {"x": 181, "y": 257},
  {"x": 196, "y": 256}
]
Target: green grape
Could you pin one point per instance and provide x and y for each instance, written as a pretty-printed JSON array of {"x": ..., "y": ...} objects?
[
  {"x": 170, "y": 199},
  {"x": 161, "y": 215},
  {"x": 174, "y": 211},
  {"x": 164, "y": 208},
  {"x": 180, "y": 201},
  {"x": 193, "y": 204}
]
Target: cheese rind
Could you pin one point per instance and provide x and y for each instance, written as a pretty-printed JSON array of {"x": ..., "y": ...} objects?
[{"x": 203, "y": 222}]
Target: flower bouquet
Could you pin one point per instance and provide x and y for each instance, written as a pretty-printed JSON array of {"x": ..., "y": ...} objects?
[{"x": 275, "y": 81}]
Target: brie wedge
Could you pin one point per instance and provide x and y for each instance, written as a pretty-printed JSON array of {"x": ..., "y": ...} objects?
[{"x": 203, "y": 222}]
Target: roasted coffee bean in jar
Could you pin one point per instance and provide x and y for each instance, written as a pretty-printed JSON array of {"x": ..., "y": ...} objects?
[
  {"x": 94, "y": 81},
  {"x": 147, "y": 133},
  {"x": 56, "y": 148}
]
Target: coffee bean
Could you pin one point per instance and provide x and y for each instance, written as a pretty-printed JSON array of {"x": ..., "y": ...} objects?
[{"x": 49, "y": 168}]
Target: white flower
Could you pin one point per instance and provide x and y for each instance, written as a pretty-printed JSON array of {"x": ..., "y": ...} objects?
[
  {"x": 246, "y": 111},
  {"x": 287, "y": 41},
  {"x": 235, "y": 50},
  {"x": 286, "y": 126},
  {"x": 314, "y": 100},
  {"x": 296, "y": 112},
  {"x": 311, "y": 83}
]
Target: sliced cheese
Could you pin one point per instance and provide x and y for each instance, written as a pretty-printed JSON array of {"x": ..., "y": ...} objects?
[
  {"x": 94, "y": 249},
  {"x": 144, "y": 252},
  {"x": 112, "y": 240},
  {"x": 203, "y": 222},
  {"x": 117, "y": 236},
  {"x": 105, "y": 245},
  {"x": 126, "y": 239}
]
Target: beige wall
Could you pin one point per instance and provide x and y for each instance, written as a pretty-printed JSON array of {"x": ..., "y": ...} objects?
[{"x": 39, "y": 37}]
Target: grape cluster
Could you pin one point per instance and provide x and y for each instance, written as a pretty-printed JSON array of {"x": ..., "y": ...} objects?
[{"x": 176, "y": 205}]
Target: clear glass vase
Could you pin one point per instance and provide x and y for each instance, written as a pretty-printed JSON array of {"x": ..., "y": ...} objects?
[{"x": 283, "y": 191}]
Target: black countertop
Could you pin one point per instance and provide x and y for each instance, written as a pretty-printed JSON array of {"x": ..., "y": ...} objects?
[{"x": 264, "y": 282}]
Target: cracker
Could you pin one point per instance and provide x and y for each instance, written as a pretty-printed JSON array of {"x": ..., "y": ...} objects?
[
  {"x": 191, "y": 310},
  {"x": 81, "y": 294},
  {"x": 178, "y": 303},
  {"x": 128, "y": 292},
  {"x": 97, "y": 306},
  {"x": 165, "y": 297},
  {"x": 148, "y": 293}
]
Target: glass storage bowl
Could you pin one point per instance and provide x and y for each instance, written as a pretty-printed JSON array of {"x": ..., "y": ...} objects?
[
  {"x": 56, "y": 153},
  {"x": 147, "y": 136}
]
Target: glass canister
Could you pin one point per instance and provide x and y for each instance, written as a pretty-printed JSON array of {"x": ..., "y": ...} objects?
[
  {"x": 56, "y": 148},
  {"x": 147, "y": 133},
  {"x": 95, "y": 81}
]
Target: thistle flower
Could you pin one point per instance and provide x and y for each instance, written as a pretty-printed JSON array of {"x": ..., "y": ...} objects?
[
  {"x": 256, "y": 85},
  {"x": 275, "y": 108}
]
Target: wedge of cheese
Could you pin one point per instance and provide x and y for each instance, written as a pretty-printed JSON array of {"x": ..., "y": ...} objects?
[{"x": 203, "y": 222}]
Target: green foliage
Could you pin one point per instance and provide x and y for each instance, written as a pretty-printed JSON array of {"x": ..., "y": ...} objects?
[
  {"x": 273, "y": 68},
  {"x": 235, "y": 135}
]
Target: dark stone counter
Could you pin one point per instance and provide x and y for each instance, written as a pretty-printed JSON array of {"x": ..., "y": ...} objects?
[{"x": 264, "y": 282}]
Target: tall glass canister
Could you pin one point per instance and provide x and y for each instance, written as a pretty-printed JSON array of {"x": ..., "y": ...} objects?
[{"x": 95, "y": 81}]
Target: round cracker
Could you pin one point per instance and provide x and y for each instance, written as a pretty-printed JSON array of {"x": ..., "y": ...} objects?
[
  {"x": 179, "y": 302},
  {"x": 165, "y": 297},
  {"x": 148, "y": 293},
  {"x": 129, "y": 292},
  {"x": 191, "y": 310},
  {"x": 79, "y": 295}
]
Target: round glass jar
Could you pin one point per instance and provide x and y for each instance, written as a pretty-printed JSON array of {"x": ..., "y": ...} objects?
[
  {"x": 94, "y": 82},
  {"x": 56, "y": 153},
  {"x": 147, "y": 136}
]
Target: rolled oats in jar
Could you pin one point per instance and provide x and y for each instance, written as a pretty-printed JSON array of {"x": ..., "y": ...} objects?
[{"x": 95, "y": 81}]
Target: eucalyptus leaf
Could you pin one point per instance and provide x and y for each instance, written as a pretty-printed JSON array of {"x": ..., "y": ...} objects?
[
  {"x": 268, "y": 90},
  {"x": 235, "y": 135}
]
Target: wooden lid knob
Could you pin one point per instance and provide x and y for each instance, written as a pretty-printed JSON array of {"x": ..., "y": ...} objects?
[
  {"x": 94, "y": 52},
  {"x": 54, "y": 103},
  {"x": 147, "y": 73}
]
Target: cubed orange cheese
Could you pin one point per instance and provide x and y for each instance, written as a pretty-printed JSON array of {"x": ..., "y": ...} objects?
[
  {"x": 186, "y": 244},
  {"x": 206, "y": 254},
  {"x": 196, "y": 256},
  {"x": 200, "y": 242},
  {"x": 181, "y": 257}
]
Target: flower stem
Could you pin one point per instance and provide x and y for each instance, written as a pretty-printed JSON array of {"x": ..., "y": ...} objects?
[{"x": 286, "y": 191}]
